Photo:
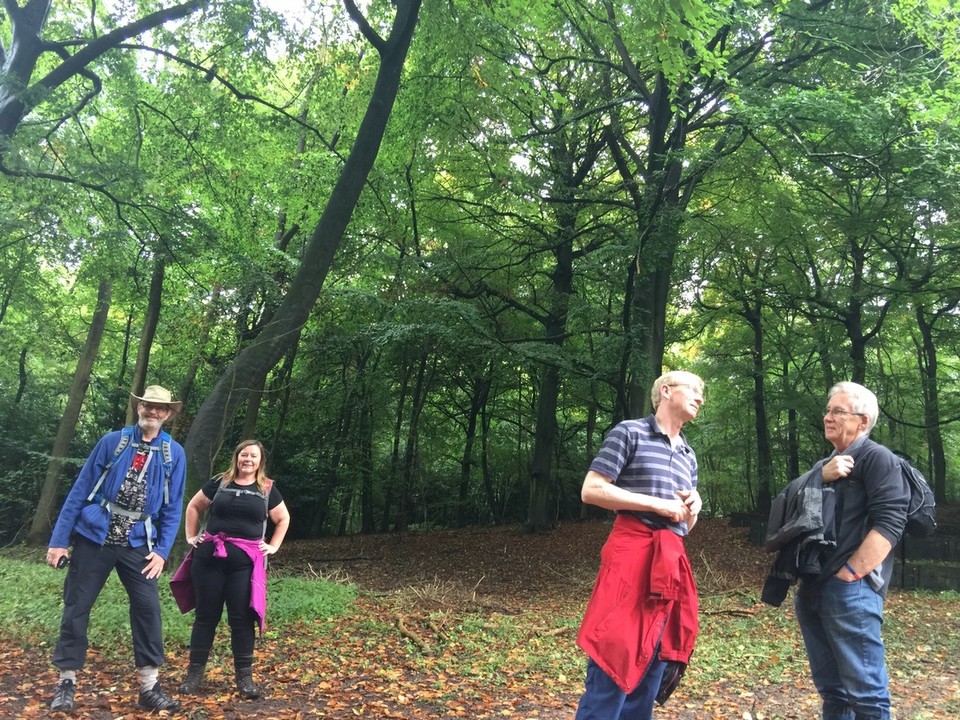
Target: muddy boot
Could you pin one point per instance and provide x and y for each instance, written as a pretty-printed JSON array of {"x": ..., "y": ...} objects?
[
  {"x": 245, "y": 685},
  {"x": 191, "y": 683}
]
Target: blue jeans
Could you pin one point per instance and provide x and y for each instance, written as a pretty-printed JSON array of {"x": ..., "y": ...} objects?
[
  {"x": 840, "y": 623},
  {"x": 604, "y": 700}
]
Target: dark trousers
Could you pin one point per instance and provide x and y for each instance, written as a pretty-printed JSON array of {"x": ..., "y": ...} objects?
[
  {"x": 604, "y": 700},
  {"x": 90, "y": 566},
  {"x": 218, "y": 582}
]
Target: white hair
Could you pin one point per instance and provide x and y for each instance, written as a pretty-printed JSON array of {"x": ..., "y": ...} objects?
[{"x": 862, "y": 401}]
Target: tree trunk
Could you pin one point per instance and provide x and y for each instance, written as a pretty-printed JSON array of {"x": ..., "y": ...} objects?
[
  {"x": 285, "y": 375},
  {"x": 485, "y": 472},
  {"x": 793, "y": 424},
  {"x": 250, "y": 418},
  {"x": 478, "y": 398},
  {"x": 44, "y": 516},
  {"x": 22, "y": 376},
  {"x": 410, "y": 457},
  {"x": 256, "y": 360},
  {"x": 150, "y": 321},
  {"x": 762, "y": 427},
  {"x": 931, "y": 406}
]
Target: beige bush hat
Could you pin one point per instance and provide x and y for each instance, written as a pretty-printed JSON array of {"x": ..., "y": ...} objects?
[{"x": 160, "y": 396}]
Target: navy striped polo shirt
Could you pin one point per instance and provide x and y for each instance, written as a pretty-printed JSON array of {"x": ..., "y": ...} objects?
[{"x": 638, "y": 457}]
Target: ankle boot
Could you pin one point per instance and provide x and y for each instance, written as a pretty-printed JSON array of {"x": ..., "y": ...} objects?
[
  {"x": 194, "y": 678},
  {"x": 245, "y": 685}
]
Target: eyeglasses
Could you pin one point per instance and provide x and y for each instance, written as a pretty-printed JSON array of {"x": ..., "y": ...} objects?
[
  {"x": 154, "y": 407},
  {"x": 839, "y": 413},
  {"x": 695, "y": 388}
]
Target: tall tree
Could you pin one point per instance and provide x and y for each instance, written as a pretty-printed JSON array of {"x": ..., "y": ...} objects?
[
  {"x": 255, "y": 361},
  {"x": 43, "y": 516}
]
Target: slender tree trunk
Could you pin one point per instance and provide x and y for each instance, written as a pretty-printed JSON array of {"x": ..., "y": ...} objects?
[
  {"x": 22, "y": 376},
  {"x": 251, "y": 417},
  {"x": 393, "y": 473},
  {"x": 410, "y": 458},
  {"x": 495, "y": 512},
  {"x": 478, "y": 399},
  {"x": 121, "y": 396},
  {"x": 284, "y": 379},
  {"x": 147, "y": 334},
  {"x": 793, "y": 428},
  {"x": 585, "y": 509},
  {"x": 762, "y": 427},
  {"x": 365, "y": 462},
  {"x": 44, "y": 516},
  {"x": 931, "y": 405},
  {"x": 256, "y": 360}
]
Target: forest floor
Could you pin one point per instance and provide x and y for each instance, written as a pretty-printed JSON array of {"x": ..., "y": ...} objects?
[{"x": 481, "y": 623}]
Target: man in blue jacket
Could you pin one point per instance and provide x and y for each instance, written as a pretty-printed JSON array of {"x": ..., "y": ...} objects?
[{"x": 122, "y": 514}]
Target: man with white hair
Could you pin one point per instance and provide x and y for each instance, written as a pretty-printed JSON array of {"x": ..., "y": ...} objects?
[
  {"x": 121, "y": 514},
  {"x": 641, "y": 623},
  {"x": 840, "y": 611}
]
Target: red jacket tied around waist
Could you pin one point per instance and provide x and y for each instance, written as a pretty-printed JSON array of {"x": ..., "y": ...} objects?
[{"x": 644, "y": 594}]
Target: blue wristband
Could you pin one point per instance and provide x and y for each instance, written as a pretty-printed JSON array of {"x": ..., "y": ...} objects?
[{"x": 852, "y": 571}]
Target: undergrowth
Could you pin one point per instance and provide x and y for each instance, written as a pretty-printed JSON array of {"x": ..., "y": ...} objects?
[{"x": 32, "y": 602}]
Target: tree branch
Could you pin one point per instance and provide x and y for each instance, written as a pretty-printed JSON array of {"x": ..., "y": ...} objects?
[{"x": 15, "y": 108}]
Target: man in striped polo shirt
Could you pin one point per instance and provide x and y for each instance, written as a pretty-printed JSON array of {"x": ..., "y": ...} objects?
[{"x": 640, "y": 625}]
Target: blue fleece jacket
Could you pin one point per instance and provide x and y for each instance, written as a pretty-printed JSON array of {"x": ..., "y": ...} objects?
[{"x": 92, "y": 521}]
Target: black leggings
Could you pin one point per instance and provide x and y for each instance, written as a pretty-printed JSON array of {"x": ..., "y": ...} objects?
[{"x": 219, "y": 581}]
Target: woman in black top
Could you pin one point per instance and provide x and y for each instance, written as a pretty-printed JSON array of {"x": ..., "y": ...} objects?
[{"x": 229, "y": 560}]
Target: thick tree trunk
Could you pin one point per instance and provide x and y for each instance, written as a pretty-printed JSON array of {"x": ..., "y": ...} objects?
[
  {"x": 149, "y": 331},
  {"x": 44, "y": 516},
  {"x": 256, "y": 360}
]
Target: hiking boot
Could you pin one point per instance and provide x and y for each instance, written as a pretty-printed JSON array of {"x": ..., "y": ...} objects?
[
  {"x": 245, "y": 685},
  {"x": 63, "y": 697},
  {"x": 156, "y": 699},
  {"x": 194, "y": 679}
]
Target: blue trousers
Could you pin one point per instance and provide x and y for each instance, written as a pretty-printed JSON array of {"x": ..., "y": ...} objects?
[
  {"x": 604, "y": 700},
  {"x": 840, "y": 623},
  {"x": 90, "y": 566}
]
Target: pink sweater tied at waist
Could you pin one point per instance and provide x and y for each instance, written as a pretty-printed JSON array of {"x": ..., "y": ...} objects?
[{"x": 181, "y": 584}]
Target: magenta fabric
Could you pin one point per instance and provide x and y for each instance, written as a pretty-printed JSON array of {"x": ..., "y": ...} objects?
[{"x": 181, "y": 584}]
